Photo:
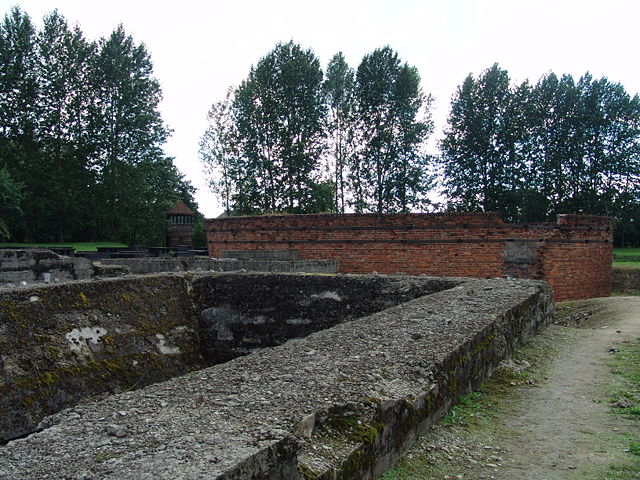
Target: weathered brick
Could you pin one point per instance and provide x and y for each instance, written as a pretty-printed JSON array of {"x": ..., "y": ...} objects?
[{"x": 572, "y": 254}]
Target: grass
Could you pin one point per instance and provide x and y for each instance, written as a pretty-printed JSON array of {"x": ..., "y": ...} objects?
[
  {"x": 626, "y": 252},
  {"x": 79, "y": 246},
  {"x": 626, "y": 257},
  {"x": 625, "y": 366},
  {"x": 474, "y": 429},
  {"x": 473, "y": 425}
]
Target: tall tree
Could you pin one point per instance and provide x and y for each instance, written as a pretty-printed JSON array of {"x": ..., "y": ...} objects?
[
  {"x": 278, "y": 114},
  {"x": 532, "y": 152},
  {"x": 480, "y": 149},
  {"x": 609, "y": 130},
  {"x": 126, "y": 125},
  {"x": 18, "y": 78},
  {"x": 552, "y": 142},
  {"x": 219, "y": 154},
  {"x": 81, "y": 135},
  {"x": 339, "y": 91},
  {"x": 10, "y": 199},
  {"x": 390, "y": 171},
  {"x": 60, "y": 193},
  {"x": 18, "y": 116}
]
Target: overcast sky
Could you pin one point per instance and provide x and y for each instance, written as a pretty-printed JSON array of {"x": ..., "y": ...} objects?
[{"x": 200, "y": 48}]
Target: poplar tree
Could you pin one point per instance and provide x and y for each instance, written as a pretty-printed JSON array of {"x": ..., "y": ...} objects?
[
  {"x": 339, "y": 92},
  {"x": 390, "y": 171},
  {"x": 62, "y": 182},
  {"x": 219, "y": 153},
  {"x": 278, "y": 113},
  {"x": 128, "y": 129}
]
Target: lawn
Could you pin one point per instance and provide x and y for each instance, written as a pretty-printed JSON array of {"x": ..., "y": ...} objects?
[
  {"x": 79, "y": 246},
  {"x": 626, "y": 257}
]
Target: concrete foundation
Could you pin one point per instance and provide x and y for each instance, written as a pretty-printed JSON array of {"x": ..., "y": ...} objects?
[{"x": 341, "y": 403}]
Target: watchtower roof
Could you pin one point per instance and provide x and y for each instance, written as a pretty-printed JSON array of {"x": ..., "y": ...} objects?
[{"x": 180, "y": 209}]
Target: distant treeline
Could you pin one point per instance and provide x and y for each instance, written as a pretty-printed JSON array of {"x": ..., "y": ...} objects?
[
  {"x": 291, "y": 138},
  {"x": 81, "y": 137}
]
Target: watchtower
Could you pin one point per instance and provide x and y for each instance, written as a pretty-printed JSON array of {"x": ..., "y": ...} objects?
[{"x": 180, "y": 225}]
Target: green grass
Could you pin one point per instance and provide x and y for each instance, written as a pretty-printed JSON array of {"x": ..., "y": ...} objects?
[
  {"x": 79, "y": 246},
  {"x": 626, "y": 251},
  {"x": 475, "y": 421},
  {"x": 626, "y": 257},
  {"x": 625, "y": 368}
]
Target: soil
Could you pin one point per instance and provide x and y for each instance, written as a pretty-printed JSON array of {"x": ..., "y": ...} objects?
[{"x": 556, "y": 426}]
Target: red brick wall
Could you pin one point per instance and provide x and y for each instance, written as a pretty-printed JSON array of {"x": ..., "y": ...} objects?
[{"x": 573, "y": 254}]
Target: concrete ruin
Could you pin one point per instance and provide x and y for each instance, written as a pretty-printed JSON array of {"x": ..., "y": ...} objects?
[
  {"x": 39, "y": 265},
  {"x": 328, "y": 376},
  {"x": 280, "y": 261},
  {"x": 20, "y": 266}
]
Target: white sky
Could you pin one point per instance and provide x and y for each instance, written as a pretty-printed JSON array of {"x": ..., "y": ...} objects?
[{"x": 200, "y": 48}]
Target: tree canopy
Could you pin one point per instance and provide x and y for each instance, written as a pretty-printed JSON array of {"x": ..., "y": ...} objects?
[
  {"x": 81, "y": 136},
  {"x": 531, "y": 152},
  {"x": 290, "y": 139}
]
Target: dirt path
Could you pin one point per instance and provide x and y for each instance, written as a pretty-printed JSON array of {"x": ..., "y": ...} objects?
[
  {"x": 556, "y": 426},
  {"x": 553, "y": 421}
]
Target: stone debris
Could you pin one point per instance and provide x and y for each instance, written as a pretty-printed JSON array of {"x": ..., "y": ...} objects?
[{"x": 623, "y": 403}]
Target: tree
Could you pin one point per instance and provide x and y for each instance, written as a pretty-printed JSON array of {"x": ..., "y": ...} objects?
[
  {"x": 81, "y": 136},
  {"x": 339, "y": 90},
  {"x": 18, "y": 81},
  {"x": 18, "y": 115},
  {"x": 389, "y": 173},
  {"x": 482, "y": 161},
  {"x": 219, "y": 154},
  {"x": 532, "y": 152},
  {"x": 127, "y": 128},
  {"x": 278, "y": 113},
  {"x": 10, "y": 199},
  {"x": 59, "y": 203},
  {"x": 553, "y": 141},
  {"x": 609, "y": 131}
]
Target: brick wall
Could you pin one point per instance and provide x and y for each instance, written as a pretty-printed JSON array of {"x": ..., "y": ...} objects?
[{"x": 572, "y": 254}]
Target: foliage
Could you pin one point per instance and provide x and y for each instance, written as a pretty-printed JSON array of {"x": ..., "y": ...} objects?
[
  {"x": 390, "y": 173},
  {"x": 278, "y": 112},
  {"x": 263, "y": 148},
  {"x": 338, "y": 88},
  {"x": 79, "y": 246},
  {"x": 81, "y": 131},
  {"x": 480, "y": 151},
  {"x": 199, "y": 235},
  {"x": 532, "y": 152},
  {"x": 219, "y": 153},
  {"x": 10, "y": 198}
]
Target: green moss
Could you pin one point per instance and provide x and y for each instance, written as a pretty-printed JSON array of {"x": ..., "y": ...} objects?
[
  {"x": 71, "y": 370},
  {"x": 354, "y": 429},
  {"x": 104, "y": 456},
  {"x": 113, "y": 365},
  {"x": 483, "y": 344},
  {"x": 306, "y": 472},
  {"x": 54, "y": 353},
  {"x": 49, "y": 378},
  {"x": 9, "y": 309},
  {"x": 371, "y": 401},
  {"x": 84, "y": 301},
  {"x": 354, "y": 464}
]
